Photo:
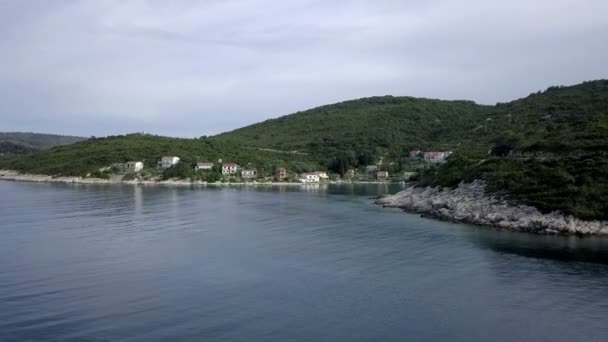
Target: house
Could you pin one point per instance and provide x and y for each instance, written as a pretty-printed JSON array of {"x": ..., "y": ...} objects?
[
  {"x": 280, "y": 173},
  {"x": 436, "y": 156},
  {"x": 371, "y": 168},
  {"x": 350, "y": 173},
  {"x": 321, "y": 174},
  {"x": 133, "y": 166},
  {"x": 382, "y": 175},
  {"x": 309, "y": 178},
  {"x": 249, "y": 173},
  {"x": 229, "y": 169},
  {"x": 203, "y": 166},
  {"x": 415, "y": 153},
  {"x": 168, "y": 161}
]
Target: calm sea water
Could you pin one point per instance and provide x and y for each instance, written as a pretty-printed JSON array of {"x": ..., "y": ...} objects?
[{"x": 131, "y": 263}]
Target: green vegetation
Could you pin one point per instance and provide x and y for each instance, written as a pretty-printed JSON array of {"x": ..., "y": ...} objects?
[
  {"x": 87, "y": 157},
  {"x": 365, "y": 129},
  {"x": 548, "y": 149},
  {"x": 22, "y": 143},
  {"x": 551, "y": 152},
  {"x": 10, "y": 148}
]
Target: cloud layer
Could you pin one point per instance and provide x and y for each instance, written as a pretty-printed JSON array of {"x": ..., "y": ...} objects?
[{"x": 189, "y": 68}]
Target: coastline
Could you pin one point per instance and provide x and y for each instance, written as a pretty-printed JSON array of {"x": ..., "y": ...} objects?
[
  {"x": 10, "y": 175},
  {"x": 469, "y": 203}
]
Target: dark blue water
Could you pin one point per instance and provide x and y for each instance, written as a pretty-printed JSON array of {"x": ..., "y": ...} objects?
[{"x": 129, "y": 263}]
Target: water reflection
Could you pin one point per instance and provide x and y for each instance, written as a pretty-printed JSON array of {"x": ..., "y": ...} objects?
[{"x": 562, "y": 248}]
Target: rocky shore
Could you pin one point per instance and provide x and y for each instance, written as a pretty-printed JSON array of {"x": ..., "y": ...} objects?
[{"x": 469, "y": 203}]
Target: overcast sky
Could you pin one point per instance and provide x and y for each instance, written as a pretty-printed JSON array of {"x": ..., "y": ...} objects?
[{"x": 191, "y": 68}]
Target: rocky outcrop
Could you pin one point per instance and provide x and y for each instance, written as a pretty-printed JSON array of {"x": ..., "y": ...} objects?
[{"x": 469, "y": 203}]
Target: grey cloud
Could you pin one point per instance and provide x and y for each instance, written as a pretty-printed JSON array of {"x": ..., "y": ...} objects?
[{"x": 190, "y": 68}]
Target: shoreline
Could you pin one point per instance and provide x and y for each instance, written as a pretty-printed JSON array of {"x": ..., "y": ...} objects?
[
  {"x": 469, "y": 203},
  {"x": 14, "y": 176}
]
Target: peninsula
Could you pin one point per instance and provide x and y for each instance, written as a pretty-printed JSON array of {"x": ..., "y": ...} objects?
[{"x": 545, "y": 154}]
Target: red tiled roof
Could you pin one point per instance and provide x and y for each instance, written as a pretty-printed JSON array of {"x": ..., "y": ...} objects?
[
  {"x": 435, "y": 153},
  {"x": 229, "y": 164}
]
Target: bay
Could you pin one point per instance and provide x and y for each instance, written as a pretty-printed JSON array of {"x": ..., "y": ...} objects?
[{"x": 318, "y": 263}]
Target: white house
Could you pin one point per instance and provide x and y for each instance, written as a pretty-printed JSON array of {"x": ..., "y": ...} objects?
[
  {"x": 311, "y": 177},
  {"x": 382, "y": 175},
  {"x": 436, "y": 156},
  {"x": 229, "y": 169},
  {"x": 133, "y": 166},
  {"x": 168, "y": 161},
  {"x": 203, "y": 166},
  {"x": 321, "y": 174},
  {"x": 249, "y": 173}
]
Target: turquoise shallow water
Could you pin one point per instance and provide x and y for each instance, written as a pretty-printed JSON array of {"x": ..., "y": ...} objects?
[{"x": 129, "y": 263}]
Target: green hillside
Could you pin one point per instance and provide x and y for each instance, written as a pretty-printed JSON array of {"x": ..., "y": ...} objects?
[
  {"x": 393, "y": 125},
  {"x": 22, "y": 142},
  {"x": 377, "y": 125},
  {"x": 548, "y": 149},
  {"x": 10, "y": 148},
  {"x": 87, "y": 157}
]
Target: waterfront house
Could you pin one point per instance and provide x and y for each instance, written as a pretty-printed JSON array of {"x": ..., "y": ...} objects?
[
  {"x": 133, "y": 166},
  {"x": 321, "y": 174},
  {"x": 310, "y": 177},
  {"x": 229, "y": 169},
  {"x": 350, "y": 173},
  {"x": 249, "y": 173},
  {"x": 168, "y": 161},
  {"x": 436, "y": 156},
  {"x": 203, "y": 166},
  {"x": 382, "y": 175},
  {"x": 280, "y": 173},
  {"x": 371, "y": 168}
]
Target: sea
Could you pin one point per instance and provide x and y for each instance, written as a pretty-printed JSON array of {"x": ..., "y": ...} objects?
[{"x": 280, "y": 263}]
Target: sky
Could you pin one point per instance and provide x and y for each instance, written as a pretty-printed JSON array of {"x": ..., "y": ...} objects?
[{"x": 191, "y": 68}]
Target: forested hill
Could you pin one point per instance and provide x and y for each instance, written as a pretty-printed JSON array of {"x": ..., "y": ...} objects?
[
  {"x": 560, "y": 117},
  {"x": 25, "y": 142},
  {"x": 89, "y": 156},
  {"x": 375, "y": 125},
  {"x": 549, "y": 149}
]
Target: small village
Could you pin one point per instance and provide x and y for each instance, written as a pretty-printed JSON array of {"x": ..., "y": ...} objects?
[{"x": 221, "y": 171}]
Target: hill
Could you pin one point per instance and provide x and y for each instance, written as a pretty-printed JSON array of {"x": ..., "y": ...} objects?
[
  {"x": 548, "y": 150},
  {"x": 393, "y": 125},
  {"x": 376, "y": 126},
  {"x": 22, "y": 142},
  {"x": 89, "y": 156},
  {"x": 10, "y": 148}
]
